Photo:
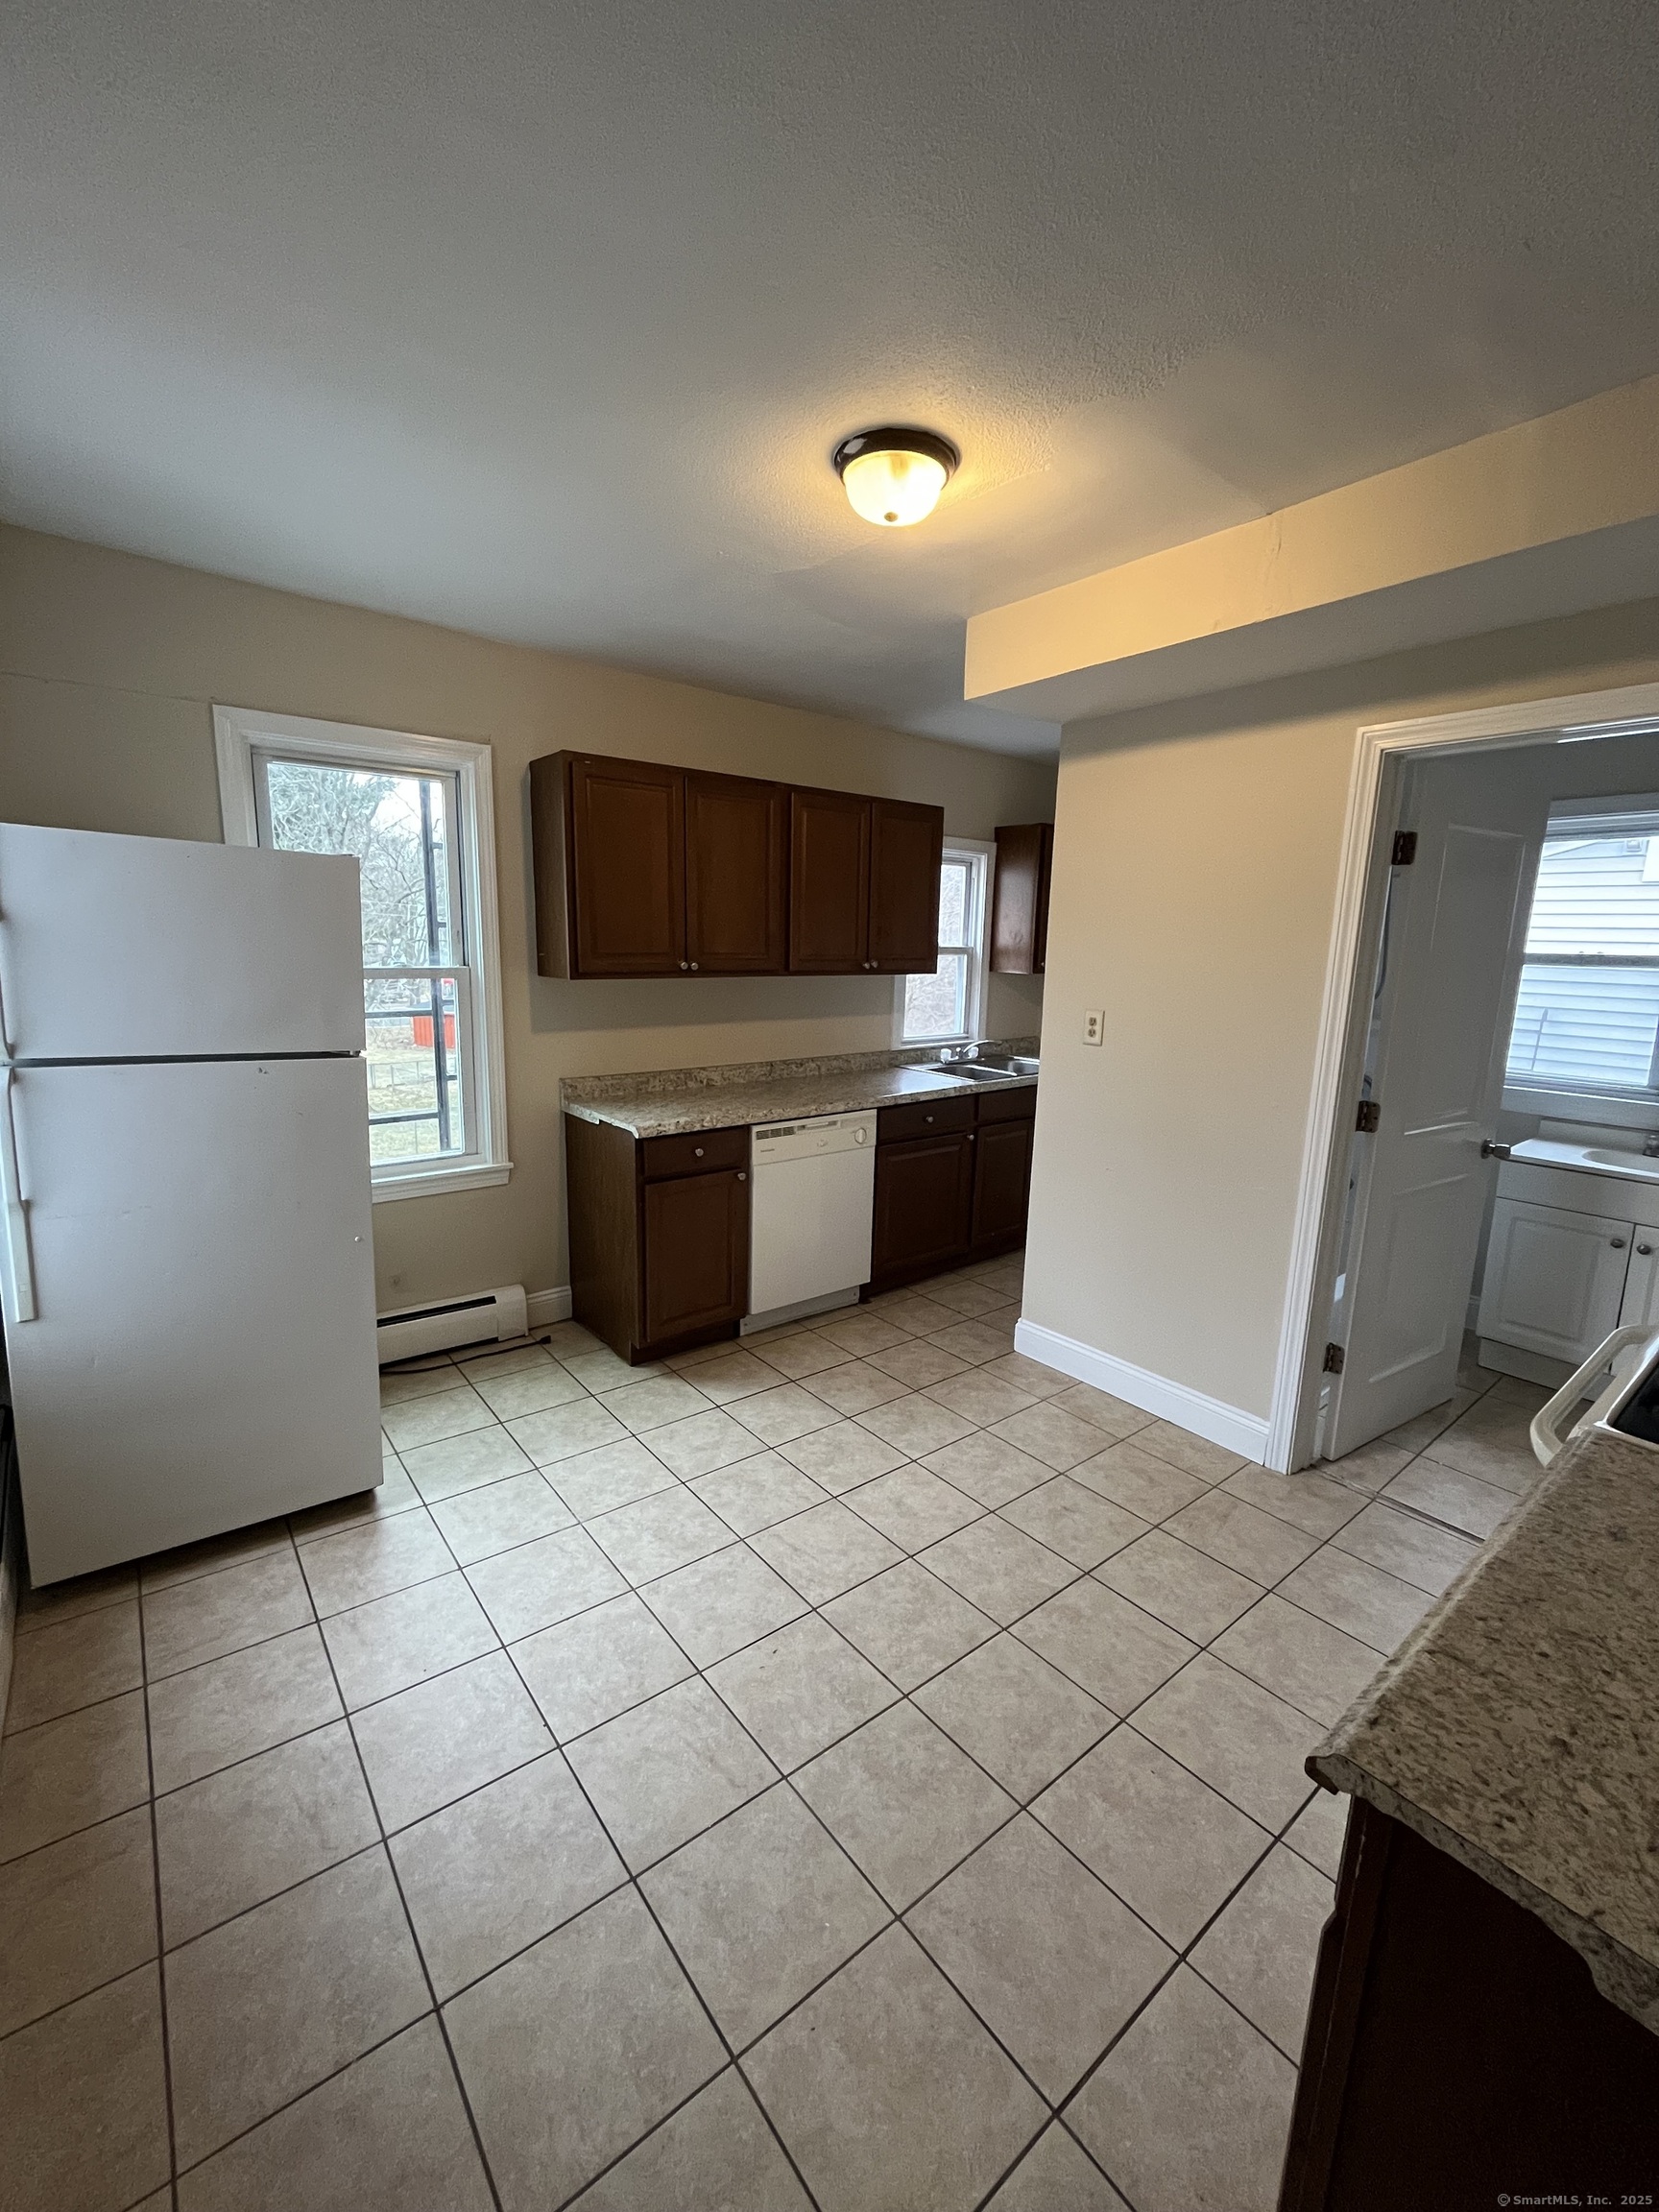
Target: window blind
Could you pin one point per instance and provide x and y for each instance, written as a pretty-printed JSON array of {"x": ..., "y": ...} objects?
[{"x": 1587, "y": 1015}]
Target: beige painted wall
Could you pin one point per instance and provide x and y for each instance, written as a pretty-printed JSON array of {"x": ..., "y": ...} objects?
[
  {"x": 108, "y": 667},
  {"x": 1196, "y": 860}
]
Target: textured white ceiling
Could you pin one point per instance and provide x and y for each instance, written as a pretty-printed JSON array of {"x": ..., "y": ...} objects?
[{"x": 542, "y": 318}]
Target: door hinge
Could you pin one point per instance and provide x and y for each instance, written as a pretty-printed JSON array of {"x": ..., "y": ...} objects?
[
  {"x": 1404, "y": 848},
  {"x": 1369, "y": 1118},
  {"x": 1334, "y": 1359}
]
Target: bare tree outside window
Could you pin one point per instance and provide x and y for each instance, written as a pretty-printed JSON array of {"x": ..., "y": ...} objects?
[{"x": 397, "y": 827}]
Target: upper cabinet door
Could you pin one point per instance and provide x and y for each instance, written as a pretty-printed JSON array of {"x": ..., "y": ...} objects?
[
  {"x": 906, "y": 844},
  {"x": 736, "y": 876},
  {"x": 1020, "y": 899},
  {"x": 627, "y": 849},
  {"x": 829, "y": 882}
]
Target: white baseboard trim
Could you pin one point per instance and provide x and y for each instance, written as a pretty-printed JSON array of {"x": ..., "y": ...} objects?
[
  {"x": 548, "y": 1306},
  {"x": 1208, "y": 1417}
]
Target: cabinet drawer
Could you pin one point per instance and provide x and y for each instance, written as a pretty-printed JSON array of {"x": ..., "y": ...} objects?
[
  {"x": 1008, "y": 1105},
  {"x": 928, "y": 1117},
  {"x": 697, "y": 1155}
]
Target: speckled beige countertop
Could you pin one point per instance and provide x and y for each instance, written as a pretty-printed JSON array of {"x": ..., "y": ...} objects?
[
  {"x": 1517, "y": 1728},
  {"x": 679, "y": 1102}
]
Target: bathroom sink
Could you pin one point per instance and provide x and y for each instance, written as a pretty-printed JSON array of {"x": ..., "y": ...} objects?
[{"x": 1587, "y": 1159}]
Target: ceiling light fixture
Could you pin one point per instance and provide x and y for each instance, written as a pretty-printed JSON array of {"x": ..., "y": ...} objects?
[{"x": 894, "y": 476}]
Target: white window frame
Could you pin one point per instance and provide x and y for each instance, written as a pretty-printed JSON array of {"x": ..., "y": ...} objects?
[
  {"x": 1627, "y": 1107},
  {"x": 240, "y": 733},
  {"x": 979, "y": 856}
]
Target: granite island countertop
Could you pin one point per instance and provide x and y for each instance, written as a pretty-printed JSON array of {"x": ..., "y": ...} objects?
[
  {"x": 1517, "y": 1728},
  {"x": 680, "y": 1101}
]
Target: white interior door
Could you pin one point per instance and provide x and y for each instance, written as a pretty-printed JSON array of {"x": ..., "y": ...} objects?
[
  {"x": 1456, "y": 935},
  {"x": 152, "y": 947},
  {"x": 202, "y": 1351}
]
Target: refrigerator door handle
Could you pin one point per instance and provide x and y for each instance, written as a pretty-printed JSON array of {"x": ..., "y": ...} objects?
[{"x": 19, "y": 1266}]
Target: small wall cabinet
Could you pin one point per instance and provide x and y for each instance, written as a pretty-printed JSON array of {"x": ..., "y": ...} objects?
[
  {"x": 1566, "y": 1265},
  {"x": 953, "y": 1183},
  {"x": 1020, "y": 899},
  {"x": 658, "y": 1235},
  {"x": 645, "y": 870}
]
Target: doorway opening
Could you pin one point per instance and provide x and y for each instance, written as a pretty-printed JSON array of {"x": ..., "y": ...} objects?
[{"x": 1426, "y": 1078}]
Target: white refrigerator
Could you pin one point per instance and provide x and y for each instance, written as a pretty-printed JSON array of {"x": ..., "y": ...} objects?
[{"x": 186, "y": 1270}]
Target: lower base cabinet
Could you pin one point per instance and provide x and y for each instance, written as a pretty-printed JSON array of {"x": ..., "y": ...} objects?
[
  {"x": 1001, "y": 1186},
  {"x": 659, "y": 1226},
  {"x": 953, "y": 1183},
  {"x": 1457, "y": 2048},
  {"x": 658, "y": 1235}
]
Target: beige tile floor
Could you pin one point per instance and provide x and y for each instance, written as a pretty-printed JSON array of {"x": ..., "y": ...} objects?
[{"x": 862, "y": 1769}]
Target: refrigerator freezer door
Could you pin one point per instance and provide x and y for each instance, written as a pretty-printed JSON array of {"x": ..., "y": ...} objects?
[
  {"x": 133, "y": 948},
  {"x": 203, "y": 1354}
]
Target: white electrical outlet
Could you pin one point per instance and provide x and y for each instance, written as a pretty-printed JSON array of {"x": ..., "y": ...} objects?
[{"x": 1093, "y": 1028}]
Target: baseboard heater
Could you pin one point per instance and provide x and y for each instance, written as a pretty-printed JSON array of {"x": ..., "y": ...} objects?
[{"x": 490, "y": 1316}]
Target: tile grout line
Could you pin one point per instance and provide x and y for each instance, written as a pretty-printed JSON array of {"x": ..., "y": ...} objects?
[
  {"x": 160, "y": 1929},
  {"x": 632, "y": 1882},
  {"x": 415, "y": 1941}
]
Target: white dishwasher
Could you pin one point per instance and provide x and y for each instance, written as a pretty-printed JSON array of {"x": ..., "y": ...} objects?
[{"x": 811, "y": 1202}]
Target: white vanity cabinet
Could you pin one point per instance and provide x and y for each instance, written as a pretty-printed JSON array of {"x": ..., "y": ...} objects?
[{"x": 1572, "y": 1255}]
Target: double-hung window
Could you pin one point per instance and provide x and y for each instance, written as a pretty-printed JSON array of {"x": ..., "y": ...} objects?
[
  {"x": 416, "y": 814},
  {"x": 946, "y": 1007},
  {"x": 1587, "y": 1015}
]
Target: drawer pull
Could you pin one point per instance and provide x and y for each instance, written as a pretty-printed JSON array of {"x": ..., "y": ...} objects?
[
  {"x": 1618, "y": 1243},
  {"x": 1645, "y": 1250},
  {"x": 696, "y": 1151}
]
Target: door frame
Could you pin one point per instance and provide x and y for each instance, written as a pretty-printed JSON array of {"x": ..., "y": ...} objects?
[{"x": 1382, "y": 752}]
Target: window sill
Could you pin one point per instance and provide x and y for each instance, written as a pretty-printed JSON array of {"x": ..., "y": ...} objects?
[
  {"x": 1610, "y": 1109},
  {"x": 435, "y": 1182}
]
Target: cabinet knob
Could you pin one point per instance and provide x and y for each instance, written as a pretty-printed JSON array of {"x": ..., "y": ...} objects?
[
  {"x": 684, "y": 963},
  {"x": 696, "y": 1151},
  {"x": 928, "y": 1118},
  {"x": 1618, "y": 1243},
  {"x": 693, "y": 966},
  {"x": 743, "y": 1177},
  {"x": 1644, "y": 1250}
]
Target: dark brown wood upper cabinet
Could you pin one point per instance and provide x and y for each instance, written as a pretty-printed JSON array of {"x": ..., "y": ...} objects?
[
  {"x": 736, "y": 876},
  {"x": 1020, "y": 899},
  {"x": 829, "y": 882},
  {"x": 610, "y": 855},
  {"x": 646, "y": 870},
  {"x": 906, "y": 844}
]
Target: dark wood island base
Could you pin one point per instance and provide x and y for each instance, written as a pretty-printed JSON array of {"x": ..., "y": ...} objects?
[{"x": 1458, "y": 2054}]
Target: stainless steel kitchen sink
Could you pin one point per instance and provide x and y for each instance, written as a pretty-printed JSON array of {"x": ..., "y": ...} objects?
[{"x": 987, "y": 1067}]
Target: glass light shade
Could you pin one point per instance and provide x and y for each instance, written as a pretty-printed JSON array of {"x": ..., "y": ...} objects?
[{"x": 893, "y": 489}]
